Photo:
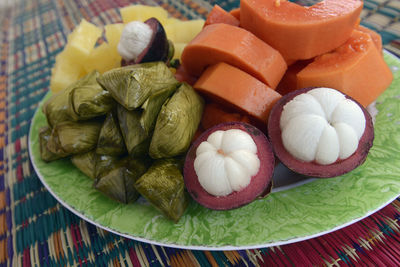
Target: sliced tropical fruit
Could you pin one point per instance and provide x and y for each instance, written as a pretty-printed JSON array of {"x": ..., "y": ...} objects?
[
  {"x": 102, "y": 58},
  {"x": 81, "y": 41},
  {"x": 113, "y": 33}
]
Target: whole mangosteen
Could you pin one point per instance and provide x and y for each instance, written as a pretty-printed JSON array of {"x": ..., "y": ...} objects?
[
  {"x": 320, "y": 132},
  {"x": 144, "y": 42},
  {"x": 228, "y": 166}
]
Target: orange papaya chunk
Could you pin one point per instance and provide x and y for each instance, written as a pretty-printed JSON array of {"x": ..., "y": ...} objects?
[
  {"x": 376, "y": 37},
  {"x": 300, "y": 32},
  {"x": 215, "y": 114},
  {"x": 236, "y": 89},
  {"x": 235, "y": 46},
  {"x": 356, "y": 68},
  {"x": 289, "y": 80},
  {"x": 183, "y": 76},
  {"x": 236, "y": 13},
  {"x": 219, "y": 15}
]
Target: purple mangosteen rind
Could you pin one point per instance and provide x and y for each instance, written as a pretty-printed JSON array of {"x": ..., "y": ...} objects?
[
  {"x": 260, "y": 183},
  {"x": 158, "y": 47},
  {"x": 267, "y": 190},
  {"x": 313, "y": 169}
]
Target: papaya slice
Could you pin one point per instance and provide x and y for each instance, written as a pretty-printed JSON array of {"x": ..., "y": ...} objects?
[
  {"x": 356, "y": 68},
  {"x": 376, "y": 37},
  {"x": 236, "y": 13},
  {"x": 289, "y": 80},
  {"x": 238, "y": 90},
  {"x": 215, "y": 114},
  {"x": 182, "y": 75},
  {"x": 219, "y": 15},
  {"x": 235, "y": 46},
  {"x": 300, "y": 32}
]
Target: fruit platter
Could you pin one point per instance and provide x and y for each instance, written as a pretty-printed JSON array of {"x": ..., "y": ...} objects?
[{"x": 243, "y": 130}]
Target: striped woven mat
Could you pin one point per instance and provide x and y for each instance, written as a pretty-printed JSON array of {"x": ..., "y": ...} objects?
[{"x": 36, "y": 230}]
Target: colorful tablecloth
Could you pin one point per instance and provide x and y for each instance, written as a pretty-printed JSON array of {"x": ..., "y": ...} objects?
[{"x": 36, "y": 230}]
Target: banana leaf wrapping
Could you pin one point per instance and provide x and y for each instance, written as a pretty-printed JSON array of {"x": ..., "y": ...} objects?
[
  {"x": 88, "y": 99},
  {"x": 147, "y": 112},
  {"x": 105, "y": 163},
  {"x": 57, "y": 107},
  {"x": 163, "y": 186},
  {"x": 137, "y": 139},
  {"x": 153, "y": 105},
  {"x": 86, "y": 162},
  {"x": 45, "y": 154},
  {"x": 118, "y": 182},
  {"x": 137, "y": 125},
  {"x": 132, "y": 85},
  {"x": 68, "y": 138},
  {"x": 111, "y": 141},
  {"x": 176, "y": 123}
]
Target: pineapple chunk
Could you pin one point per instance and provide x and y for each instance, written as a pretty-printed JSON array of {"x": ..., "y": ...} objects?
[
  {"x": 81, "y": 41},
  {"x": 143, "y": 12},
  {"x": 185, "y": 31},
  {"x": 102, "y": 58},
  {"x": 113, "y": 33},
  {"x": 178, "y": 50},
  {"x": 64, "y": 73},
  {"x": 80, "y": 56},
  {"x": 169, "y": 28}
]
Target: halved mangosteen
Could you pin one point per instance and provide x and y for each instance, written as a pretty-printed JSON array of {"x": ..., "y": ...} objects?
[
  {"x": 144, "y": 42},
  {"x": 229, "y": 166},
  {"x": 320, "y": 132}
]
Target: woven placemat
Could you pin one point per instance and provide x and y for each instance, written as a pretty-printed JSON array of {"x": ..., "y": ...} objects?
[{"x": 35, "y": 230}]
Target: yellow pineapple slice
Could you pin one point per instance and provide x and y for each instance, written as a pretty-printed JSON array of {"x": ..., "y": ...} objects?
[
  {"x": 81, "y": 41},
  {"x": 113, "y": 33},
  {"x": 64, "y": 73},
  {"x": 68, "y": 67},
  {"x": 179, "y": 31},
  {"x": 178, "y": 50},
  {"x": 143, "y": 12},
  {"x": 185, "y": 31},
  {"x": 102, "y": 58},
  {"x": 80, "y": 56},
  {"x": 169, "y": 28}
]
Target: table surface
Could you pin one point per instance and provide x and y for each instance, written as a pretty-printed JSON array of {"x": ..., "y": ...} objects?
[{"x": 35, "y": 230}]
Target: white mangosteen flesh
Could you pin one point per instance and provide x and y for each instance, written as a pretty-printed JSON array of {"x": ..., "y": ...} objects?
[
  {"x": 321, "y": 125},
  {"x": 135, "y": 37},
  {"x": 226, "y": 162}
]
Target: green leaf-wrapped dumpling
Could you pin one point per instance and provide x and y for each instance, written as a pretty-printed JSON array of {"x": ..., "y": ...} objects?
[
  {"x": 57, "y": 108},
  {"x": 86, "y": 162},
  {"x": 137, "y": 125},
  {"x": 45, "y": 153},
  {"x": 111, "y": 141},
  {"x": 152, "y": 107},
  {"x": 74, "y": 137},
  {"x": 118, "y": 182},
  {"x": 176, "y": 123},
  {"x": 105, "y": 163},
  {"x": 136, "y": 138},
  {"x": 163, "y": 186},
  {"x": 132, "y": 85},
  {"x": 89, "y": 99}
]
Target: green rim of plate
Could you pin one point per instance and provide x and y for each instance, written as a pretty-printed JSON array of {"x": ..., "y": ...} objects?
[{"x": 302, "y": 212}]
